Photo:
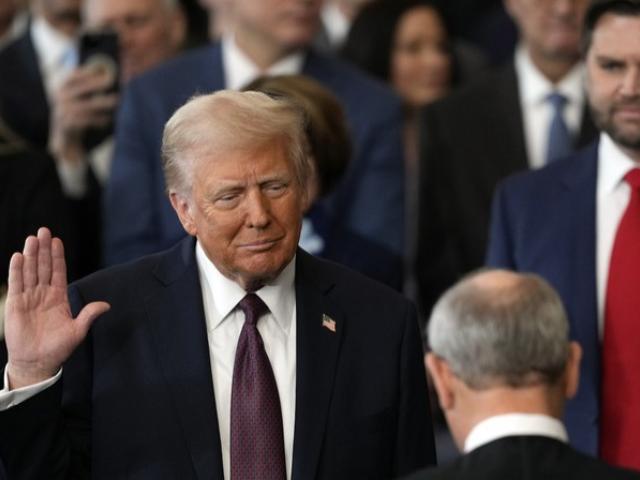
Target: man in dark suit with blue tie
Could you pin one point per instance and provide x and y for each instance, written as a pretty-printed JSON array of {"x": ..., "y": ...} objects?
[
  {"x": 269, "y": 37},
  {"x": 232, "y": 355},
  {"x": 574, "y": 223}
]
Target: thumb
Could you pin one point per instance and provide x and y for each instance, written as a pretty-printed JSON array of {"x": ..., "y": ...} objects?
[{"x": 87, "y": 315}]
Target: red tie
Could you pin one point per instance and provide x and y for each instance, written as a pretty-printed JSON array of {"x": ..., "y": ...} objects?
[
  {"x": 620, "y": 410},
  {"x": 257, "y": 440}
]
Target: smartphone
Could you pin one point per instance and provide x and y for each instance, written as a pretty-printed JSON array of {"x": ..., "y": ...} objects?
[{"x": 99, "y": 49}]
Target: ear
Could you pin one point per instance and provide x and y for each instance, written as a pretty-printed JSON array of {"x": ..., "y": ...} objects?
[
  {"x": 182, "y": 205},
  {"x": 442, "y": 380},
  {"x": 510, "y": 6},
  {"x": 572, "y": 370}
]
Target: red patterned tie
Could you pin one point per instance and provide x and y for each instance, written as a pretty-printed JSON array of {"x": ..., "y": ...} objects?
[
  {"x": 257, "y": 442},
  {"x": 620, "y": 410}
]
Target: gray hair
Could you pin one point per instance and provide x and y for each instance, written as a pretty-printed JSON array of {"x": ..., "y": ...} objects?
[
  {"x": 496, "y": 327},
  {"x": 208, "y": 126}
]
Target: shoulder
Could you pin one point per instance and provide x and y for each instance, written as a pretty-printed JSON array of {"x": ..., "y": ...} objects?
[
  {"x": 348, "y": 286},
  {"x": 530, "y": 184}
]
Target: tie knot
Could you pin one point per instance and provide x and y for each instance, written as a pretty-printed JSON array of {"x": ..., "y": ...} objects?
[
  {"x": 557, "y": 100},
  {"x": 253, "y": 308},
  {"x": 633, "y": 178}
]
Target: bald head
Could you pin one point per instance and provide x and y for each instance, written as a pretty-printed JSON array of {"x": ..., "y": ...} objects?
[{"x": 497, "y": 327}]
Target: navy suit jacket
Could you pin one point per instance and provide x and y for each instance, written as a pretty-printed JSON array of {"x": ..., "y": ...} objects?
[
  {"x": 545, "y": 222},
  {"x": 23, "y": 101},
  {"x": 137, "y": 401},
  {"x": 369, "y": 200}
]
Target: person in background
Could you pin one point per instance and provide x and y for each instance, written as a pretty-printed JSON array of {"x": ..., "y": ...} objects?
[
  {"x": 149, "y": 32},
  {"x": 329, "y": 145},
  {"x": 406, "y": 45},
  {"x": 503, "y": 367},
  {"x": 523, "y": 115},
  {"x": 576, "y": 223},
  {"x": 34, "y": 65}
]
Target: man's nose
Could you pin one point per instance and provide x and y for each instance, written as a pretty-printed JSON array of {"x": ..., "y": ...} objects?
[
  {"x": 258, "y": 209},
  {"x": 631, "y": 82}
]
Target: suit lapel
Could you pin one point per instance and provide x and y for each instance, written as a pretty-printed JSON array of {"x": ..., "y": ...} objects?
[
  {"x": 179, "y": 332},
  {"x": 317, "y": 353}
]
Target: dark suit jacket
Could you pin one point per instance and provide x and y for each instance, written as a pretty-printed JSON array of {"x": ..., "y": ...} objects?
[
  {"x": 470, "y": 141},
  {"x": 545, "y": 222},
  {"x": 139, "y": 395},
  {"x": 525, "y": 457},
  {"x": 23, "y": 101},
  {"x": 369, "y": 200}
]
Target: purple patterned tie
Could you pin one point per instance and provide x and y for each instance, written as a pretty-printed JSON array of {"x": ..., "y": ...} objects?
[{"x": 257, "y": 441}]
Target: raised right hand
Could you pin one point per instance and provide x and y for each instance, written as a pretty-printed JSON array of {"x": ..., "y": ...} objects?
[{"x": 40, "y": 331}]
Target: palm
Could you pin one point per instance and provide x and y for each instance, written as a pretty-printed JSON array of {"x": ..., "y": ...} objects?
[{"x": 39, "y": 329}]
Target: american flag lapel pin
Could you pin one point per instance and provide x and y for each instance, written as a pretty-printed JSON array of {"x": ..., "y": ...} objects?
[{"x": 328, "y": 323}]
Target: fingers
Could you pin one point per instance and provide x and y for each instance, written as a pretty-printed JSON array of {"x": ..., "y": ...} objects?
[
  {"x": 44, "y": 256},
  {"x": 15, "y": 274},
  {"x": 29, "y": 265},
  {"x": 87, "y": 315},
  {"x": 58, "y": 264}
]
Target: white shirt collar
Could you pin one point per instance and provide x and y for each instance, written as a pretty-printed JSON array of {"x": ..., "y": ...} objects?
[
  {"x": 51, "y": 45},
  {"x": 613, "y": 164},
  {"x": 535, "y": 87},
  {"x": 336, "y": 24},
  {"x": 514, "y": 424},
  {"x": 279, "y": 295},
  {"x": 239, "y": 69}
]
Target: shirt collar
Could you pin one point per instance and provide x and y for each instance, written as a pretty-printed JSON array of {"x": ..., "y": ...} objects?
[
  {"x": 613, "y": 164},
  {"x": 52, "y": 46},
  {"x": 278, "y": 295},
  {"x": 336, "y": 24},
  {"x": 240, "y": 70},
  {"x": 535, "y": 87},
  {"x": 514, "y": 424}
]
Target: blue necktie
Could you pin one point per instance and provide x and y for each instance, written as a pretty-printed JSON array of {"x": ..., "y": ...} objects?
[{"x": 560, "y": 141}]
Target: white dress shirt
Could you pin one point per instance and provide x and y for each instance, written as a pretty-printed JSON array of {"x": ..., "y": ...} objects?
[
  {"x": 336, "y": 24},
  {"x": 612, "y": 196},
  {"x": 240, "y": 70},
  {"x": 224, "y": 322},
  {"x": 56, "y": 52},
  {"x": 514, "y": 424},
  {"x": 537, "y": 111},
  {"x": 278, "y": 331}
]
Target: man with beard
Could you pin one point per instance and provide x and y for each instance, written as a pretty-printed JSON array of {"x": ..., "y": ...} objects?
[{"x": 577, "y": 223}]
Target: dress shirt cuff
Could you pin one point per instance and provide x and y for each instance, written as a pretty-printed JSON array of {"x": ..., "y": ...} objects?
[
  {"x": 11, "y": 398},
  {"x": 73, "y": 178}
]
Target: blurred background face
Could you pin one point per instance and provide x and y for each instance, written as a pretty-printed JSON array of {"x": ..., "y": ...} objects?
[
  {"x": 149, "y": 31},
  {"x": 550, "y": 28},
  {"x": 289, "y": 24},
  {"x": 63, "y": 15},
  {"x": 420, "y": 59}
]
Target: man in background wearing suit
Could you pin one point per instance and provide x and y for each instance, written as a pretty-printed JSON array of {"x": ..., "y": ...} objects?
[
  {"x": 268, "y": 37},
  {"x": 179, "y": 379},
  {"x": 575, "y": 224},
  {"x": 503, "y": 365},
  {"x": 501, "y": 124}
]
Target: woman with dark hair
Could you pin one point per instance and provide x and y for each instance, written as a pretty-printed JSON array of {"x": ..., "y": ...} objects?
[{"x": 404, "y": 43}]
